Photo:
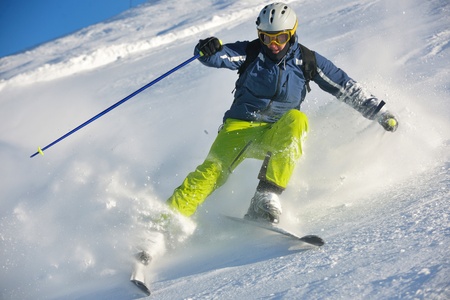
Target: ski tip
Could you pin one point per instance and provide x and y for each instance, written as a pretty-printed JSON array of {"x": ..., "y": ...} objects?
[
  {"x": 313, "y": 240},
  {"x": 141, "y": 286}
]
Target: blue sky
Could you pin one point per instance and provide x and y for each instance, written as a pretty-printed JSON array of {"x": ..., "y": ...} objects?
[{"x": 28, "y": 23}]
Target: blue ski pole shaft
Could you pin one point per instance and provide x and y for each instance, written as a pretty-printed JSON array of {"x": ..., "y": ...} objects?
[{"x": 41, "y": 150}]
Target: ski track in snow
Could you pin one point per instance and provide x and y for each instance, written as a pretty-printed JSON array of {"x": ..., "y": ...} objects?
[
  {"x": 70, "y": 221},
  {"x": 386, "y": 257}
]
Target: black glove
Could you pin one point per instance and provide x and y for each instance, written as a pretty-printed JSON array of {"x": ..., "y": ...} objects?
[
  {"x": 209, "y": 46},
  {"x": 388, "y": 121}
]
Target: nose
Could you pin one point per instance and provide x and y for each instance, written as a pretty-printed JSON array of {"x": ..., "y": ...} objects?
[{"x": 273, "y": 46}]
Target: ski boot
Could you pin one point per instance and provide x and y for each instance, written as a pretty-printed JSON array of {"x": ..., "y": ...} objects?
[{"x": 264, "y": 206}]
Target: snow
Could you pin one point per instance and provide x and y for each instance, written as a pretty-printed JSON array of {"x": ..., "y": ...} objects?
[{"x": 71, "y": 220}]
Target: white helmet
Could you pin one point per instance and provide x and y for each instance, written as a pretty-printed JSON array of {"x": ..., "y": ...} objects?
[{"x": 277, "y": 17}]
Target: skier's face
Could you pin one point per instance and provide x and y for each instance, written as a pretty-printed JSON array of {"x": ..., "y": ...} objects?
[{"x": 275, "y": 41}]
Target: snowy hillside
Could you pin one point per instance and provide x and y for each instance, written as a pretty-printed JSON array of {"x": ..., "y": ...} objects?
[{"x": 70, "y": 220}]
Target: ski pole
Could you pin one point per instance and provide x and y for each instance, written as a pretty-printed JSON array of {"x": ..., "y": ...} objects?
[{"x": 41, "y": 150}]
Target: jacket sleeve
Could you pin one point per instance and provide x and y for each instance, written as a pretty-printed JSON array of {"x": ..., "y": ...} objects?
[
  {"x": 336, "y": 82},
  {"x": 232, "y": 56}
]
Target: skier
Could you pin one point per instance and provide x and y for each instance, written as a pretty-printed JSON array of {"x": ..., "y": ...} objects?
[{"x": 264, "y": 120}]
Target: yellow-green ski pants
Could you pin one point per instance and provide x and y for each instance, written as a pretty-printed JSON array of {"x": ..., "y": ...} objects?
[{"x": 279, "y": 144}]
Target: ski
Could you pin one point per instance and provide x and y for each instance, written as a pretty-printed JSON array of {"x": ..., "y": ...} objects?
[
  {"x": 142, "y": 262},
  {"x": 308, "y": 239}
]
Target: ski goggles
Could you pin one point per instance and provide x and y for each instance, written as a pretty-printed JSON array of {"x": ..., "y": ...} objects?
[{"x": 279, "y": 38}]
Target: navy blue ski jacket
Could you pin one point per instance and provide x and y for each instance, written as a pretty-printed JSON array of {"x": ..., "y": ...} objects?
[{"x": 268, "y": 89}]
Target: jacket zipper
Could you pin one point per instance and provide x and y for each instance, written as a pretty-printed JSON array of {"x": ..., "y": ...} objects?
[{"x": 280, "y": 75}]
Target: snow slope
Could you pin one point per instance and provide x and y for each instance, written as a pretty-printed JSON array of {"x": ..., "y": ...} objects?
[{"x": 70, "y": 221}]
